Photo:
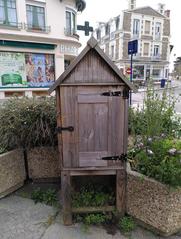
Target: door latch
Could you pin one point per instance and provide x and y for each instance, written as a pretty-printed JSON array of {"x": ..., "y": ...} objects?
[{"x": 60, "y": 129}]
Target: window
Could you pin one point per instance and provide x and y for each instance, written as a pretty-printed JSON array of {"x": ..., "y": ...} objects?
[
  {"x": 117, "y": 23},
  {"x": 146, "y": 49},
  {"x": 156, "y": 50},
  {"x": 98, "y": 34},
  {"x": 112, "y": 51},
  {"x": 147, "y": 27},
  {"x": 156, "y": 72},
  {"x": 35, "y": 17},
  {"x": 70, "y": 22},
  {"x": 136, "y": 26},
  {"x": 157, "y": 30},
  {"x": 138, "y": 72},
  {"x": 107, "y": 29},
  {"x": 8, "y": 14}
]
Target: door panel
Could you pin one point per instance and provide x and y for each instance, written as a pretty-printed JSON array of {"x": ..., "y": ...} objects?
[{"x": 98, "y": 123}]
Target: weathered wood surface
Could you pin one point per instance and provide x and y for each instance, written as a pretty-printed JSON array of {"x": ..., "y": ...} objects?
[
  {"x": 93, "y": 209},
  {"x": 121, "y": 191},
  {"x": 66, "y": 198},
  {"x": 92, "y": 69},
  {"x": 98, "y": 123},
  {"x": 60, "y": 141}
]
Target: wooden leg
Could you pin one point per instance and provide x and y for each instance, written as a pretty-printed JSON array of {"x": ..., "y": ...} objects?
[
  {"x": 66, "y": 198},
  {"x": 121, "y": 191}
]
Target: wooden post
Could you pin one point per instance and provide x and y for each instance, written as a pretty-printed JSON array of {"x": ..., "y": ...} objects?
[
  {"x": 66, "y": 197},
  {"x": 121, "y": 191}
]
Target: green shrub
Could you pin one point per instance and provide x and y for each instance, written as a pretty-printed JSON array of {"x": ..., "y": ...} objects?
[
  {"x": 161, "y": 160},
  {"x": 126, "y": 224},
  {"x": 157, "y": 116},
  {"x": 27, "y": 122}
]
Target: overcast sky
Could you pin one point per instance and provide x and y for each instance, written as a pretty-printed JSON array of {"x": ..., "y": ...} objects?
[{"x": 102, "y": 10}]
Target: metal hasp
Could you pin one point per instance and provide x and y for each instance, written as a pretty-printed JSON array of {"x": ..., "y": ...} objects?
[
  {"x": 122, "y": 157},
  {"x": 124, "y": 93},
  {"x": 86, "y": 28},
  {"x": 60, "y": 129}
]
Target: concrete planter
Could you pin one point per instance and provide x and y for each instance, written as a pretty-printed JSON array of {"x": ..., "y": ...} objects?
[
  {"x": 12, "y": 172},
  {"x": 44, "y": 164},
  {"x": 154, "y": 204}
]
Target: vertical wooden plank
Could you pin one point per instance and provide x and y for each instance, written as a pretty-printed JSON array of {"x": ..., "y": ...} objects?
[
  {"x": 121, "y": 191},
  {"x": 126, "y": 107},
  {"x": 70, "y": 139},
  {"x": 66, "y": 197},
  {"x": 60, "y": 142},
  {"x": 116, "y": 125},
  {"x": 101, "y": 127}
]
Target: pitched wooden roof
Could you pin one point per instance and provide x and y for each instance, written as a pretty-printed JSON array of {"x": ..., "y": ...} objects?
[{"x": 91, "y": 44}]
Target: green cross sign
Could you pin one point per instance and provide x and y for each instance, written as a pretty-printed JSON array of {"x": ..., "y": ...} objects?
[{"x": 86, "y": 28}]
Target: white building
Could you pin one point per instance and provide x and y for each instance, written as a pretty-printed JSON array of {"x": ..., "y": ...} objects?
[
  {"x": 38, "y": 39},
  {"x": 152, "y": 30}
]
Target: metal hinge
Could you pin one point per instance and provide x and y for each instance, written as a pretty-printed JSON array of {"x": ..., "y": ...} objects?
[
  {"x": 60, "y": 129},
  {"x": 122, "y": 157}
]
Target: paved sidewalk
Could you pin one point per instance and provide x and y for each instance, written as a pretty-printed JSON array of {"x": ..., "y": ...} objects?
[{"x": 20, "y": 218}]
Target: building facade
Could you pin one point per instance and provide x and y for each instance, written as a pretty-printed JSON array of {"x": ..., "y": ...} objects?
[
  {"x": 38, "y": 39},
  {"x": 152, "y": 30}
]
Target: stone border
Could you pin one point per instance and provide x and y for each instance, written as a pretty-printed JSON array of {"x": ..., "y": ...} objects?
[
  {"x": 153, "y": 204},
  {"x": 44, "y": 164},
  {"x": 12, "y": 172}
]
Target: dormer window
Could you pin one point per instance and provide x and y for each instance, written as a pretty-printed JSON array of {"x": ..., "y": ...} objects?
[{"x": 8, "y": 15}]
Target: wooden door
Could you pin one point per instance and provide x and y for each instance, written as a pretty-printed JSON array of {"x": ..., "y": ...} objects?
[{"x": 98, "y": 123}]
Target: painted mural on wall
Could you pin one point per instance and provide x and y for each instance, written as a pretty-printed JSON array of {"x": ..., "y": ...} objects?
[{"x": 26, "y": 70}]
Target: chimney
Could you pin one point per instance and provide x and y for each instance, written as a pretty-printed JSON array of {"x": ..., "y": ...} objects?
[
  {"x": 131, "y": 4},
  {"x": 161, "y": 8},
  {"x": 167, "y": 13}
]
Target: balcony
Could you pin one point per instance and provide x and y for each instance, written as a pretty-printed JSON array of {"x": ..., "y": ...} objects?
[
  {"x": 71, "y": 33},
  {"x": 156, "y": 57},
  {"x": 44, "y": 29},
  {"x": 11, "y": 25}
]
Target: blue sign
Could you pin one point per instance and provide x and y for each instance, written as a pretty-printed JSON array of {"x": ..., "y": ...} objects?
[{"x": 132, "y": 47}]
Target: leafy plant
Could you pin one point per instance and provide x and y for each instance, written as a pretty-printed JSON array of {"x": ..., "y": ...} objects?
[
  {"x": 49, "y": 197},
  {"x": 95, "y": 219},
  {"x": 157, "y": 116},
  {"x": 126, "y": 224},
  {"x": 27, "y": 122},
  {"x": 90, "y": 196},
  {"x": 160, "y": 159}
]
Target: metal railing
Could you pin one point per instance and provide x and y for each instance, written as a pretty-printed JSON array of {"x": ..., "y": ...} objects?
[
  {"x": 71, "y": 32},
  {"x": 30, "y": 27},
  {"x": 7, "y": 24}
]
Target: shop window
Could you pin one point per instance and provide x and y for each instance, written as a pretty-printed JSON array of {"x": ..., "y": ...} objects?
[
  {"x": 138, "y": 72},
  {"x": 8, "y": 14}
]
